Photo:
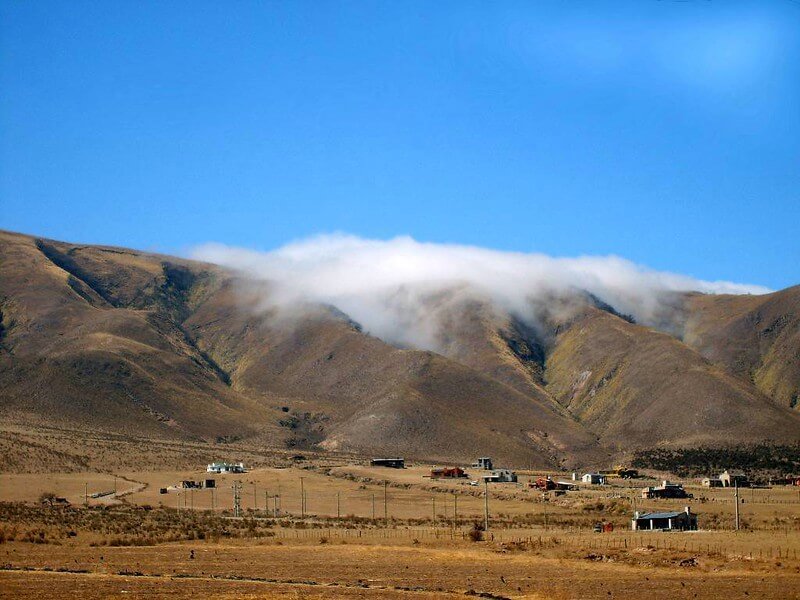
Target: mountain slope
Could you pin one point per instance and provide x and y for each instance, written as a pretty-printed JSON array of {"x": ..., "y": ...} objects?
[
  {"x": 360, "y": 393},
  {"x": 89, "y": 340},
  {"x": 755, "y": 337},
  {"x": 484, "y": 338},
  {"x": 639, "y": 388},
  {"x": 134, "y": 343}
]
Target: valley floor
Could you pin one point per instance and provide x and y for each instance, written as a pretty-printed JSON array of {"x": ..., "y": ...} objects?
[
  {"x": 392, "y": 568},
  {"x": 362, "y": 531}
]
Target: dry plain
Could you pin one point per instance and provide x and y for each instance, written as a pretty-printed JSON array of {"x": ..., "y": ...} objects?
[{"x": 368, "y": 532}]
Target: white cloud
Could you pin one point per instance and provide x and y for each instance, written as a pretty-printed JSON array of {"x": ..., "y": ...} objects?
[{"x": 394, "y": 288}]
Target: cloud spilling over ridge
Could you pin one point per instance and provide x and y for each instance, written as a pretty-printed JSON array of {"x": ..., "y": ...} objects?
[{"x": 394, "y": 288}]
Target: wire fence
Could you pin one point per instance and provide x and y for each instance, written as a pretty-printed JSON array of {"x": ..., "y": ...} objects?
[{"x": 534, "y": 539}]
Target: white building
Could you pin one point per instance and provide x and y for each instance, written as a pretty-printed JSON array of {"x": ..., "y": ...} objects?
[
  {"x": 594, "y": 479},
  {"x": 712, "y": 482},
  {"x": 501, "y": 476},
  {"x": 684, "y": 520},
  {"x": 223, "y": 467},
  {"x": 734, "y": 478},
  {"x": 484, "y": 462}
]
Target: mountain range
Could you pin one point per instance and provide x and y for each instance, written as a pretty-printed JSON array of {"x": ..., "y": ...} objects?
[{"x": 96, "y": 338}]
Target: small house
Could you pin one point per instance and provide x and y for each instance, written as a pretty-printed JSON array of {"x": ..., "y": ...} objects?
[
  {"x": 484, "y": 463},
  {"x": 733, "y": 479},
  {"x": 448, "y": 473},
  {"x": 223, "y": 467},
  {"x": 543, "y": 483},
  {"x": 594, "y": 479},
  {"x": 501, "y": 476},
  {"x": 547, "y": 484},
  {"x": 622, "y": 472},
  {"x": 625, "y": 473},
  {"x": 665, "y": 490},
  {"x": 783, "y": 480},
  {"x": 604, "y": 527},
  {"x": 683, "y": 520},
  {"x": 566, "y": 486},
  {"x": 210, "y": 483},
  {"x": 712, "y": 482},
  {"x": 390, "y": 463}
]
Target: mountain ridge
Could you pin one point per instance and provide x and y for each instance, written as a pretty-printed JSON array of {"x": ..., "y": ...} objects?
[{"x": 112, "y": 338}]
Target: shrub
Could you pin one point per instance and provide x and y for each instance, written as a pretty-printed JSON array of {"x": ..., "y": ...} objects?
[
  {"x": 476, "y": 533},
  {"x": 47, "y": 498}
]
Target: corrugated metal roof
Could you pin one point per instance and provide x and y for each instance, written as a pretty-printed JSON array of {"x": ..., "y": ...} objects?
[{"x": 661, "y": 515}]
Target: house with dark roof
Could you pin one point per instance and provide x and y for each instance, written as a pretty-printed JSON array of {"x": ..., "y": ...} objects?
[
  {"x": 733, "y": 479},
  {"x": 665, "y": 490},
  {"x": 501, "y": 476},
  {"x": 484, "y": 462},
  {"x": 710, "y": 482},
  {"x": 683, "y": 520},
  {"x": 448, "y": 473},
  {"x": 594, "y": 479},
  {"x": 390, "y": 463}
]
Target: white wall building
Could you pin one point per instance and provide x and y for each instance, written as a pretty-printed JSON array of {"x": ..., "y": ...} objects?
[
  {"x": 223, "y": 467},
  {"x": 501, "y": 476},
  {"x": 594, "y": 479}
]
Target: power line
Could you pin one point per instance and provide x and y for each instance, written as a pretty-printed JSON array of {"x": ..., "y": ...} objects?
[
  {"x": 486, "y": 505},
  {"x": 237, "y": 498}
]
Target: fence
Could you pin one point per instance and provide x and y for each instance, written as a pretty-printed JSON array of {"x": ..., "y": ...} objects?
[{"x": 731, "y": 547}]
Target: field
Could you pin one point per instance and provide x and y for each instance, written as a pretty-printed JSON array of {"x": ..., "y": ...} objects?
[{"x": 369, "y": 532}]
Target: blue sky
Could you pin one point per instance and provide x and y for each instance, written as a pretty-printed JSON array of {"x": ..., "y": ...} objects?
[{"x": 664, "y": 132}]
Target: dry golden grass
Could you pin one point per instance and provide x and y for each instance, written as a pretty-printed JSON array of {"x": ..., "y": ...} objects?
[
  {"x": 386, "y": 568},
  {"x": 118, "y": 549},
  {"x": 356, "y": 489}
]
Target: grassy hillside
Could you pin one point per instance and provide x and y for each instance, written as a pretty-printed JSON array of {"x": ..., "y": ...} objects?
[
  {"x": 755, "y": 337},
  {"x": 92, "y": 337},
  {"x": 639, "y": 388},
  {"x": 354, "y": 392},
  {"x": 149, "y": 345},
  {"x": 137, "y": 344}
]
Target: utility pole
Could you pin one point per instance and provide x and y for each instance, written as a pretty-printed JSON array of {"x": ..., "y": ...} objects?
[
  {"x": 266, "y": 502},
  {"x": 178, "y": 501},
  {"x": 212, "y": 499},
  {"x": 736, "y": 496},
  {"x": 385, "y": 505},
  {"x": 86, "y": 494},
  {"x": 544, "y": 503},
  {"x": 302, "y": 499},
  {"x": 338, "y": 507},
  {"x": 434, "y": 509},
  {"x": 373, "y": 507},
  {"x": 255, "y": 497},
  {"x": 237, "y": 498},
  {"x": 486, "y": 505},
  {"x": 455, "y": 510}
]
